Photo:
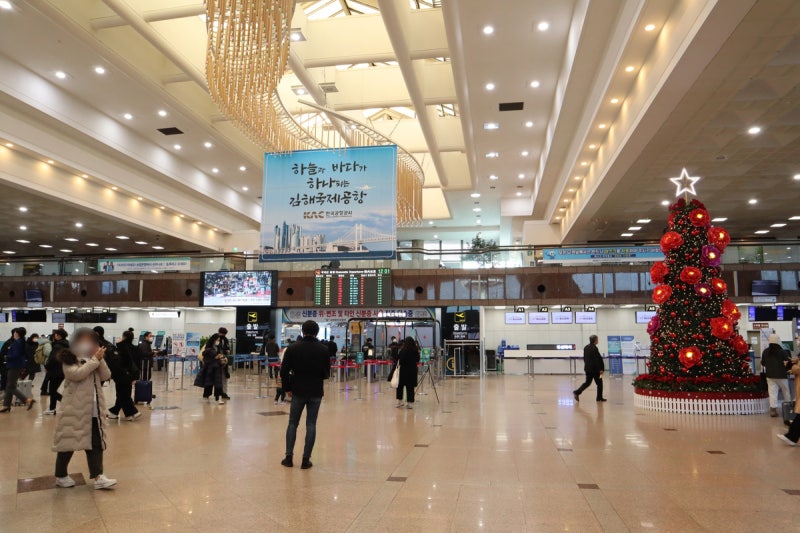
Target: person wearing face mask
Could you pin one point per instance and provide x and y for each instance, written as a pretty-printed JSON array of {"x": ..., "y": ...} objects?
[
  {"x": 79, "y": 425},
  {"x": 15, "y": 364},
  {"x": 224, "y": 349},
  {"x": 213, "y": 369},
  {"x": 146, "y": 356}
]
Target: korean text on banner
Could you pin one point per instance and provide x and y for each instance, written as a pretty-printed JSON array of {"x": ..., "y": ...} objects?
[
  {"x": 600, "y": 254},
  {"x": 324, "y": 205}
]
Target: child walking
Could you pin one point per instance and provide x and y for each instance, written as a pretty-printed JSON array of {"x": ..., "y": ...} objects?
[{"x": 279, "y": 392}]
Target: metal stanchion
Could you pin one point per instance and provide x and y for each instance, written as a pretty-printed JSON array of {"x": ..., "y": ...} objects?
[
  {"x": 183, "y": 371},
  {"x": 260, "y": 382},
  {"x": 358, "y": 384},
  {"x": 166, "y": 368}
]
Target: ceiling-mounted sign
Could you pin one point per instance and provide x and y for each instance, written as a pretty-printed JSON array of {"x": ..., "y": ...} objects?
[
  {"x": 601, "y": 254},
  {"x": 144, "y": 264},
  {"x": 298, "y": 315},
  {"x": 322, "y": 205}
]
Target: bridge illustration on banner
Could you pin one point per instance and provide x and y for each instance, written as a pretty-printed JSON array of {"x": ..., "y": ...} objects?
[{"x": 290, "y": 239}]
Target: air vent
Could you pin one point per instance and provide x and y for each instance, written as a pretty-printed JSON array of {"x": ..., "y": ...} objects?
[
  {"x": 170, "y": 131},
  {"x": 328, "y": 87},
  {"x": 512, "y": 106}
]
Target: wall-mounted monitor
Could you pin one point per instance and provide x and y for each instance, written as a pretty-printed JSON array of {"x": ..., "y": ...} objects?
[
  {"x": 765, "y": 287},
  {"x": 58, "y": 318},
  {"x": 369, "y": 287},
  {"x": 586, "y": 317},
  {"x": 3, "y": 318},
  {"x": 538, "y": 318},
  {"x": 515, "y": 318},
  {"x": 643, "y": 317},
  {"x": 562, "y": 317},
  {"x": 256, "y": 287},
  {"x": 22, "y": 315}
]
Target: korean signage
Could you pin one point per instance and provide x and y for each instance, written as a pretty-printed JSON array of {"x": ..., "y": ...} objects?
[
  {"x": 322, "y": 205},
  {"x": 601, "y": 254},
  {"x": 109, "y": 266},
  {"x": 301, "y": 315}
]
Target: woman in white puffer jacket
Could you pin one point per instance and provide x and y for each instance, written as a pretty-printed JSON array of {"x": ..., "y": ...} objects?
[{"x": 79, "y": 425}]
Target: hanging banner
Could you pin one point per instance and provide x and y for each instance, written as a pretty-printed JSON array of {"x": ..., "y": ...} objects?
[
  {"x": 600, "y": 254},
  {"x": 298, "y": 315},
  {"x": 322, "y": 205},
  {"x": 144, "y": 264}
]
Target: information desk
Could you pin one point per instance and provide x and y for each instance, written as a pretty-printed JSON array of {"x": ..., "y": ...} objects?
[{"x": 543, "y": 362}]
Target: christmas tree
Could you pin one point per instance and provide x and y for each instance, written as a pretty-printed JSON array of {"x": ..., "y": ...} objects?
[{"x": 695, "y": 344}]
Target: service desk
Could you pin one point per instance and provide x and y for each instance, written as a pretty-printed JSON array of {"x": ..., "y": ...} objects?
[{"x": 543, "y": 362}]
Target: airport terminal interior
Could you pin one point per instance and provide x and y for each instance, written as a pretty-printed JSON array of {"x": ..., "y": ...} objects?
[{"x": 552, "y": 249}]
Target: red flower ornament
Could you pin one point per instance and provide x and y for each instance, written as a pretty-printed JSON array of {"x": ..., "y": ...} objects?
[
  {"x": 730, "y": 311},
  {"x": 721, "y": 328},
  {"x": 719, "y": 238},
  {"x": 690, "y": 356},
  {"x": 699, "y": 218},
  {"x": 740, "y": 345},
  {"x": 691, "y": 275},
  {"x": 670, "y": 241},
  {"x": 662, "y": 293},
  {"x": 718, "y": 286},
  {"x": 658, "y": 271}
]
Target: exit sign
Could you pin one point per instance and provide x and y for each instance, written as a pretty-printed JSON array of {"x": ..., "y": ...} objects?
[{"x": 760, "y": 325}]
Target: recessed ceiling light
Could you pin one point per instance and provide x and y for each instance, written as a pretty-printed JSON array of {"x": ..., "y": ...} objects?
[
  {"x": 114, "y": 188},
  {"x": 45, "y": 246},
  {"x": 182, "y": 215},
  {"x": 161, "y": 207},
  {"x": 601, "y": 126},
  {"x": 650, "y": 27},
  {"x": 719, "y": 219},
  {"x": 176, "y": 146},
  {"x": 215, "y": 170},
  {"x": 85, "y": 176},
  {"x": 529, "y": 124},
  {"x": 430, "y": 222},
  {"x": 127, "y": 116},
  {"x": 141, "y": 242},
  {"x": 23, "y": 228},
  {"x": 584, "y": 163},
  {"x": 762, "y": 232},
  {"x": 9, "y": 252},
  {"x": 566, "y": 200},
  {"x": 754, "y": 130},
  {"x": 490, "y": 86},
  {"x": 99, "y": 70},
  {"x": 23, "y": 209},
  {"x": 242, "y": 168},
  {"x": 752, "y": 201},
  {"x": 478, "y": 222},
  {"x": 570, "y": 190},
  {"x": 778, "y": 225},
  {"x": 60, "y": 74},
  {"x": 543, "y": 26},
  {"x": 492, "y": 155},
  {"x": 296, "y": 35},
  {"x": 794, "y": 218},
  {"x": 614, "y": 100},
  {"x": 577, "y": 178},
  {"x": 245, "y": 188},
  {"x": 491, "y": 125},
  {"x": 51, "y": 162},
  {"x": 494, "y": 177},
  {"x": 65, "y": 250},
  {"x": 5, "y": 4},
  {"x": 71, "y": 239},
  {"x": 79, "y": 224},
  {"x": 592, "y": 146},
  {"x": 9, "y": 145},
  {"x": 535, "y": 84},
  {"x": 474, "y": 195},
  {"x": 488, "y": 29},
  {"x": 796, "y": 177},
  {"x": 634, "y": 228},
  {"x": 111, "y": 249},
  {"x": 198, "y": 222},
  {"x": 476, "y": 209},
  {"x": 562, "y": 209},
  {"x": 665, "y": 202},
  {"x": 521, "y": 176},
  {"x": 435, "y": 236},
  {"x": 519, "y": 193},
  {"x": 122, "y": 237},
  {"x": 23, "y": 241},
  {"x": 162, "y": 113},
  {"x": 630, "y": 68},
  {"x": 525, "y": 153},
  {"x": 92, "y": 244},
  {"x": 626, "y": 235},
  {"x": 643, "y": 221},
  {"x": 139, "y": 198},
  {"x": 158, "y": 247},
  {"x": 208, "y": 144}
]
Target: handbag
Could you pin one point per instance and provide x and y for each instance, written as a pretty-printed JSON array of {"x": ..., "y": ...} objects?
[{"x": 396, "y": 376}]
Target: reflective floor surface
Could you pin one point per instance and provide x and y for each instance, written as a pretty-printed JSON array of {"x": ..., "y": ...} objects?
[{"x": 500, "y": 454}]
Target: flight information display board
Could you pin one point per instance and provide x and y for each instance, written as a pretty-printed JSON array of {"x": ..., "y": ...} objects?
[{"x": 371, "y": 287}]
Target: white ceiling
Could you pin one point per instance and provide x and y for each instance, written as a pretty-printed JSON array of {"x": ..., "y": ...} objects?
[{"x": 417, "y": 73}]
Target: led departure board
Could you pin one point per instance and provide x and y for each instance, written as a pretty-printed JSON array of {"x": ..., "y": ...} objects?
[{"x": 370, "y": 287}]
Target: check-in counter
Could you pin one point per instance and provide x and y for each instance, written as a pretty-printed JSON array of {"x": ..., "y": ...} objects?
[{"x": 543, "y": 362}]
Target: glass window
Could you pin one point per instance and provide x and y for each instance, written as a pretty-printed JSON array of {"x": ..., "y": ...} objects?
[{"x": 584, "y": 282}]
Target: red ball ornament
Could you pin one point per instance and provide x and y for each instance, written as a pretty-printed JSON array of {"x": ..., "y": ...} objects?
[
  {"x": 658, "y": 271},
  {"x": 721, "y": 327},
  {"x": 670, "y": 241},
  {"x": 662, "y": 293},
  {"x": 671, "y": 220},
  {"x": 691, "y": 275},
  {"x": 673, "y": 314},
  {"x": 686, "y": 323},
  {"x": 719, "y": 238},
  {"x": 690, "y": 356},
  {"x": 730, "y": 311},
  {"x": 699, "y": 217}
]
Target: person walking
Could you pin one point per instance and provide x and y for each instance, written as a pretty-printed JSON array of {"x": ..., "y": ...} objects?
[
  {"x": 213, "y": 369},
  {"x": 305, "y": 367},
  {"x": 333, "y": 349},
  {"x": 792, "y": 436},
  {"x": 55, "y": 372},
  {"x": 407, "y": 359},
  {"x": 79, "y": 425},
  {"x": 272, "y": 350},
  {"x": 46, "y": 346},
  {"x": 594, "y": 367},
  {"x": 776, "y": 363},
  {"x": 31, "y": 366},
  {"x": 225, "y": 350},
  {"x": 15, "y": 364},
  {"x": 124, "y": 373},
  {"x": 146, "y": 354}
]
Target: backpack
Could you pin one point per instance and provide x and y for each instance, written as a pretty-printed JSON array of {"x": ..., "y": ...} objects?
[{"x": 39, "y": 356}]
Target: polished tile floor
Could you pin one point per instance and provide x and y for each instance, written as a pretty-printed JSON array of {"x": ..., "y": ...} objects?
[{"x": 500, "y": 454}]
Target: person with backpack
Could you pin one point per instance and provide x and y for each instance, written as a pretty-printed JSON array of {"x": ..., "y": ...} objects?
[
  {"x": 31, "y": 366},
  {"x": 40, "y": 356},
  {"x": 55, "y": 372},
  {"x": 124, "y": 373},
  {"x": 15, "y": 364}
]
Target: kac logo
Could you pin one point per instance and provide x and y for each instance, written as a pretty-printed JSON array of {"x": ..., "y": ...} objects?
[{"x": 314, "y": 214}]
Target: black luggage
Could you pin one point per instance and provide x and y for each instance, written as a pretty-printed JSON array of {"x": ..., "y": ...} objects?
[
  {"x": 787, "y": 409},
  {"x": 143, "y": 392}
]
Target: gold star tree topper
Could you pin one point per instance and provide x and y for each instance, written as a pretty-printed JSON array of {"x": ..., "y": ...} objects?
[{"x": 685, "y": 183}]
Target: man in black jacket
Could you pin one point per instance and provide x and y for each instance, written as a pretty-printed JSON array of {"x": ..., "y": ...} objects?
[
  {"x": 594, "y": 367},
  {"x": 306, "y": 365}
]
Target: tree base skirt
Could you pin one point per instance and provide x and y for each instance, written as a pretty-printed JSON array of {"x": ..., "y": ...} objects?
[{"x": 702, "y": 403}]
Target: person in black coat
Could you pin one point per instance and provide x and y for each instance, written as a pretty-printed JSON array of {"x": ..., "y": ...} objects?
[
  {"x": 594, "y": 367},
  {"x": 305, "y": 367},
  {"x": 124, "y": 372},
  {"x": 213, "y": 367},
  {"x": 407, "y": 358},
  {"x": 55, "y": 372},
  {"x": 776, "y": 363},
  {"x": 30, "y": 351}
]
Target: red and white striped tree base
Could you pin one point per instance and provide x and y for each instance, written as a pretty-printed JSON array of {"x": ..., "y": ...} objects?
[{"x": 702, "y": 403}]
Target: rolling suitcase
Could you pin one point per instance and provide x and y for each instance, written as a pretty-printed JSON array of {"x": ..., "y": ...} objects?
[
  {"x": 787, "y": 408},
  {"x": 25, "y": 386},
  {"x": 143, "y": 392}
]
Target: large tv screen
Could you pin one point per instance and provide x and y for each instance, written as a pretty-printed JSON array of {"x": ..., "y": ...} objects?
[
  {"x": 764, "y": 287},
  {"x": 21, "y": 315},
  {"x": 256, "y": 287},
  {"x": 643, "y": 317},
  {"x": 371, "y": 287},
  {"x": 586, "y": 317},
  {"x": 515, "y": 318}
]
